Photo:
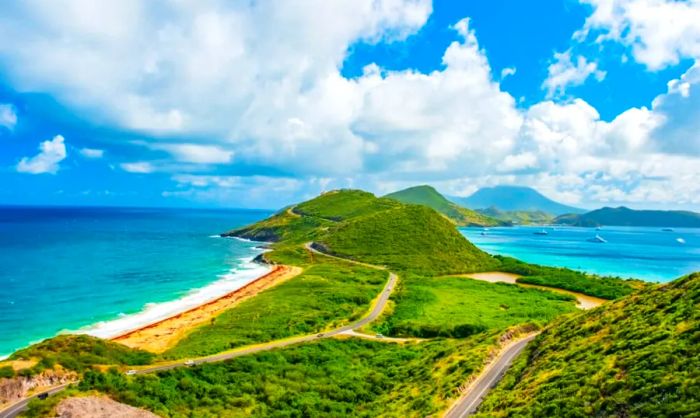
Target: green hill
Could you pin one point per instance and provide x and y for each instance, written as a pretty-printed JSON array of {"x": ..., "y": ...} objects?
[
  {"x": 636, "y": 357},
  {"x": 515, "y": 198},
  {"x": 407, "y": 237},
  {"x": 428, "y": 196},
  {"x": 519, "y": 217},
  {"x": 623, "y": 216}
]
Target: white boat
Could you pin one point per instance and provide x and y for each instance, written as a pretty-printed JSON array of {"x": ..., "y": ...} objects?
[
  {"x": 542, "y": 232},
  {"x": 680, "y": 240},
  {"x": 598, "y": 239}
]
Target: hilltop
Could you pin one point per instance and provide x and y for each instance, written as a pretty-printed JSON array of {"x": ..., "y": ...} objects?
[
  {"x": 515, "y": 198},
  {"x": 358, "y": 225},
  {"x": 428, "y": 196},
  {"x": 638, "y": 356},
  {"x": 519, "y": 217},
  {"x": 623, "y": 216}
]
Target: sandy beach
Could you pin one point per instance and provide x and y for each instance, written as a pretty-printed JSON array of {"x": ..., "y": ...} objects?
[
  {"x": 159, "y": 336},
  {"x": 583, "y": 301}
]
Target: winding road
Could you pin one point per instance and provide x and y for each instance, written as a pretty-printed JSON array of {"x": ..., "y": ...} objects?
[{"x": 379, "y": 305}]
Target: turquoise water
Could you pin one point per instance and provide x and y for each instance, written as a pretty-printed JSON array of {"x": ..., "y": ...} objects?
[
  {"x": 107, "y": 270},
  {"x": 644, "y": 253}
]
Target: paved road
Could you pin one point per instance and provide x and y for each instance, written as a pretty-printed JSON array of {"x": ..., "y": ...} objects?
[
  {"x": 379, "y": 306},
  {"x": 467, "y": 404}
]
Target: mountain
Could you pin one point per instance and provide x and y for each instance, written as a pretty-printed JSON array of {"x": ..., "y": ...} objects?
[
  {"x": 514, "y": 198},
  {"x": 520, "y": 217},
  {"x": 428, "y": 196},
  {"x": 623, "y": 216},
  {"x": 638, "y": 356}
]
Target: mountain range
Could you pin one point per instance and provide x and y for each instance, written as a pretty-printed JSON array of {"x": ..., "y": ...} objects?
[
  {"x": 514, "y": 198},
  {"x": 623, "y": 216}
]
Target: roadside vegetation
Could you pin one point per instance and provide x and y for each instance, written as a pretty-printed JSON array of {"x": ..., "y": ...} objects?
[
  {"x": 458, "y": 307},
  {"x": 79, "y": 353},
  {"x": 563, "y": 278},
  {"x": 327, "y": 294},
  {"x": 349, "y": 377},
  {"x": 637, "y": 357}
]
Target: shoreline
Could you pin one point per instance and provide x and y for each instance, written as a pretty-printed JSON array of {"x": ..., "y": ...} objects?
[{"x": 162, "y": 334}]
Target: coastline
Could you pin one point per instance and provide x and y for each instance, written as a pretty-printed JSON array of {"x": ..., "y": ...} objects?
[{"x": 160, "y": 335}]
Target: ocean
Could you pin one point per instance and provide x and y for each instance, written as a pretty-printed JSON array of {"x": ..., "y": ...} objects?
[
  {"x": 107, "y": 270},
  {"x": 649, "y": 254}
]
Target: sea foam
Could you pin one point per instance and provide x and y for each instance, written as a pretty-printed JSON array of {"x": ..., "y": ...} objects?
[{"x": 154, "y": 312}]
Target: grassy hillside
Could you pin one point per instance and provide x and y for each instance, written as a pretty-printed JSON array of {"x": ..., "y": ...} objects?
[
  {"x": 637, "y": 357},
  {"x": 80, "y": 352},
  {"x": 327, "y": 378},
  {"x": 623, "y": 216},
  {"x": 406, "y": 238},
  {"x": 519, "y": 217},
  {"x": 428, "y": 196},
  {"x": 458, "y": 307}
]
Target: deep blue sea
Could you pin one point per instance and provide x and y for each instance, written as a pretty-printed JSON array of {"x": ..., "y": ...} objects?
[
  {"x": 107, "y": 270},
  {"x": 644, "y": 253}
]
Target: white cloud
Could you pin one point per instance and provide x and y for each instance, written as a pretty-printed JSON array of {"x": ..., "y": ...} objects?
[
  {"x": 196, "y": 153},
  {"x": 142, "y": 167},
  {"x": 51, "y": 153},
  {"x": 8, "y": 116},
  {"x": 563, "y": 72},
  {"x": 508, "y": 71},
  {"x": 92, "y": 153},
  {"x": 660, "y": 32}
]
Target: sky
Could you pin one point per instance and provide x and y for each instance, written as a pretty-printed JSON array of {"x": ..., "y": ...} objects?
[{"x": 259, "y": 104}]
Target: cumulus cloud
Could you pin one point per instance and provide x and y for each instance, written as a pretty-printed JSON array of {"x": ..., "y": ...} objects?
[
  {"x": 141, "y": 167},
  {"x": 51, "y": 153},
  {"x": 196, "y": 153},
  {"x": 660, "y": 32},
  {"x": 564, "y": 72},
  {"x": 92, "y": 153},
  {"x": 8, "y": 116},
  {"x": 508, "y": 71}
]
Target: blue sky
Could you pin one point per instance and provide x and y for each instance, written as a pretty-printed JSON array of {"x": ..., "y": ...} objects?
[{"x": 262, "y": 104}]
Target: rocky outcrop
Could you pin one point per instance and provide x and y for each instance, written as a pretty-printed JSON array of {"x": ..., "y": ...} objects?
[
  {"x": 18, "y": 387},
  {"x": 98, "y": 407}
]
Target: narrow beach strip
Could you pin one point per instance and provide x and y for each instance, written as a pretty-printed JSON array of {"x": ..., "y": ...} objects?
[{"x": 161, "y": 335}]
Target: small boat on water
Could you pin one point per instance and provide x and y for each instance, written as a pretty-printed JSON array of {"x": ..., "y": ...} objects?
[
  {"x": 542, "y": 232},
  {"x": 680, "y": 240},
  {"x": 597, "y": 228},
  {"x": 667, "y": 229},
  {"x": 597, "y": 239},
  {"x": 483, "y": 233}
]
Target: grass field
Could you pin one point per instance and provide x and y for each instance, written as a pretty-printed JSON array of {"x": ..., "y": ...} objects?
[
  {"x": 326, "y": 294},
  {"x": 459, "y": 307},
  {"x": 328, "y": 378}
]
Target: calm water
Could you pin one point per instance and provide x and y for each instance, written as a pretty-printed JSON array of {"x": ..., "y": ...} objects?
[
  {"x": 105, "y": 270},
  {"x": 645, "y": 253}
]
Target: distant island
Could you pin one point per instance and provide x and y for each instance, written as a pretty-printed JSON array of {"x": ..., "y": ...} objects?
[
  {"x": 623, "y": 216},
  {"x": 514, "y": 198}
]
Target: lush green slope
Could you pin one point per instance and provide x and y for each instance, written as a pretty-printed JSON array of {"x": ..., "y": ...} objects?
[
  {"x": 328, "y": 293},
  {"x": 458, "y": 307},
  {"x": 328, "y": 378},
  {"x": 80, "y": 352},
  {"x": 428, "y": 196},
  {"x": 637, "y": 357},
  {"x": 519, "y": 217},
  {"x": 623, "y": 216},
  {"x": 515, "y": 198},
  {"x": 406, "y": 238},
  {"x": 338, "y": 205}
]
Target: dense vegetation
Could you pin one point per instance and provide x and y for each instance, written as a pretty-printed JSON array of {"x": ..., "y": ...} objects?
[
  {"x": 637, "y": 357},
  {"x": 623, "y": 216},
  {"x": 349, "y": 377},
  {"x": 80, "y": 352},
  {"x": 327, "y": 294},
  {"x": 407, "y": 238},
  {"x": 563, "y": 278},
  {"x": 458, "y": 307},
  {"x": 428, "y": 196},
  {"x": 340, "y": 205},
  {"x": 518, "y": 217},
  {"x": 515, "y": 198}
]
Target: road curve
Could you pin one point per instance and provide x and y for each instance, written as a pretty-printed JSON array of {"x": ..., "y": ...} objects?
[
  {"x": 468, "y": 402},
  {"x": 379, "y": 305}
]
